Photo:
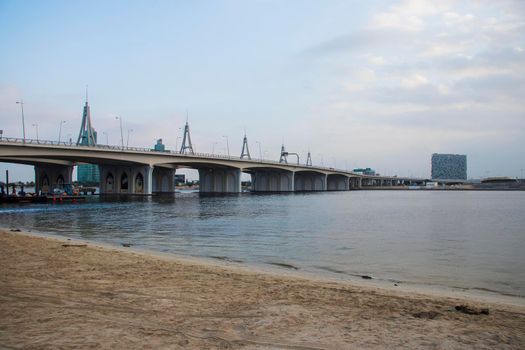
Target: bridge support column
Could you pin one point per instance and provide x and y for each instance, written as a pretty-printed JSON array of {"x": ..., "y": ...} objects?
[
  {"x": 272, "y": 181},
  {"x": 310, "y": 181},
  {"x": 126, "y": 179},
  {"x": 49, "y": 177},
  {"x": 355, "y": 183},
  {"x": 163, "y": 180},
  {"x": 148, "y": 181},
  {"x": 337, "y": 183},
  {"x": 219, "y": 180}
]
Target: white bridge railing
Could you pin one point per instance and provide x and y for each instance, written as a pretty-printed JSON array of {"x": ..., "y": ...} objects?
[{"x": 32, "y": 142}]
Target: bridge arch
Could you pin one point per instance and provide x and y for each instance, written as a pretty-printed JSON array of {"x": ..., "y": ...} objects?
[
  {"x": 109, "y": 183},
  {"x": 139, "y": 183},
  {"x": 124, "y": 182},
  {"x": 44, "y": 184},
  {"x": 60, "y": 181}
]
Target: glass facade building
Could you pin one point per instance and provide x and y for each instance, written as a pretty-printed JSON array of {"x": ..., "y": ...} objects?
[{"x": 449, "y": 166}]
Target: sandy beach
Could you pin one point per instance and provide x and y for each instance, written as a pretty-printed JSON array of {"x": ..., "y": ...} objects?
[{"x": 56, "y": 293}]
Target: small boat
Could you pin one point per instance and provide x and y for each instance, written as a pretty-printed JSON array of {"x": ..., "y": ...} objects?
[{"x": 65, "y": 198}]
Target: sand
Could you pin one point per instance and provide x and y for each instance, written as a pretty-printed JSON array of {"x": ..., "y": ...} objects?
[{"x": 63, "y": 294}]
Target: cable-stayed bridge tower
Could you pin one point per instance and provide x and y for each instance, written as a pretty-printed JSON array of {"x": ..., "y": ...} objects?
[
  {"x": 87, "y": 135},
  {"x": 284, "y": 155},
  {"x": 309, "y": 159},
  {"x": 245, "y": 151},
  {"x": 87, "y": 173},
  {"x": 186, "y": 146}
]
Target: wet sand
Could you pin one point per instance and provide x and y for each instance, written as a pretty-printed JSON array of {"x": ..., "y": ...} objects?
[{"x": 56, "y": 293}]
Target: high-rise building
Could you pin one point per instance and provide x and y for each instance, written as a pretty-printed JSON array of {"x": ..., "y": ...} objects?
[
  {"x": 449, "y": 166},
  {"x": 87, "y": 173},
  {"x": 159, "y": 146}
]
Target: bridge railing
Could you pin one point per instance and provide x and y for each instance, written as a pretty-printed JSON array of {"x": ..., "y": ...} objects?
[{"x": 189, "y": 155}]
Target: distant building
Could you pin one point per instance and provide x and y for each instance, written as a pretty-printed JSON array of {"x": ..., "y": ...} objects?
[
  {"x": 365, "y": 171},
  {"x": 88, "y": 174},
  {"x": 180, "y": 179},
  {"x": 449, "y": 166},
  {"x": 159, "y": 146}
]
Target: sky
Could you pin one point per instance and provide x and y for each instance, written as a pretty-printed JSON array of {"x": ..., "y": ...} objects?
[{"x": 381, "y": 84}]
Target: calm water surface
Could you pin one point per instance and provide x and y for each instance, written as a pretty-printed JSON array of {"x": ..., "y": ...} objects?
[{"x": 472, "y": 240}]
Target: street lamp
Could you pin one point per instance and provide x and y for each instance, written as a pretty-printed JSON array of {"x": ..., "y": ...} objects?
[
  {"x": 21, "y": 102},
  {"x": 36, "y": 126},
  {"x": 213, "y": 147},
  {"x": 127, "y": 140},
  {"x": 227, "y": 145},
  {"x": 107, "y": 138},
  {"x": 60, "y": 130},
  {"x": 322, "y": 160},
  {"x": 260, "y": 153},
  {"x": 121, "y": 133},
  {"x": 177, "y": 143},
  {"x": 68, "y": 136}
]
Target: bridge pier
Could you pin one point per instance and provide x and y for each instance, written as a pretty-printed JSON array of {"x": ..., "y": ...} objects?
[
  {"x": 163, "y": 180},
  {"x": 272, "y": 181},
  {"x": 355, "y": 183},
  {"x": 310, "y": 181},
  {"x": 48, "y": 177},
  {"x": 126, "y": 179},
  {"x": 219, "y": 180},
  {"x": 337, "y": 182}
]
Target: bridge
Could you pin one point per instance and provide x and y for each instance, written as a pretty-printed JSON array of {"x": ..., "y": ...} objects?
[
  {"x": 131, "y": 170},
  {"x": 135, "y": 170}
]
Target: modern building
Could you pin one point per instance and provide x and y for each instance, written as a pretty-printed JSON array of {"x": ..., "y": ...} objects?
[
  {"x": 180, "y": 179},
  {"x": 365, "y": 171},
  {"x": 449, "y": 166},
  {"x": 159, "y": 146},
  {"x": 87, "y": 173}
]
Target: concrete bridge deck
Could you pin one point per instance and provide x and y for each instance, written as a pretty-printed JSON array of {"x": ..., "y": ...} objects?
[{"x": 145, "y": 171}]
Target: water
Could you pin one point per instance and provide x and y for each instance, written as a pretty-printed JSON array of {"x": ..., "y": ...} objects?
[{"x": 472, "y": 240}]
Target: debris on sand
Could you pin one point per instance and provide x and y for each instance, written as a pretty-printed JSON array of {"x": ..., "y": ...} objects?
[
  {"x": 427, "y": 314},
  {"x": 471, "y": 310}
]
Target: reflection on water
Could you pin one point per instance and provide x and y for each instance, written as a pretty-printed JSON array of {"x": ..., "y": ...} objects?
[{"x": 461, "y": 239}]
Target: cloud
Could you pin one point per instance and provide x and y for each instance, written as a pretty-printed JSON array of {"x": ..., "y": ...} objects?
[{"x": 364, "y": 39}]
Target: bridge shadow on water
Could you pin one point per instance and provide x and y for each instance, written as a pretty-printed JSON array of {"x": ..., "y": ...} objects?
[{"x": 169, "y": 198}]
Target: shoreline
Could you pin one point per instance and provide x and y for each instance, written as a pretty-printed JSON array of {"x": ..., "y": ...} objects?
[
  {"x": 407, "y": 287},
  {"x": 59, "y": 292}
]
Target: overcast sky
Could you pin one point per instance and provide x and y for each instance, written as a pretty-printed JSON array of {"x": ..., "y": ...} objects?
[{"x": 381, "y": 84}]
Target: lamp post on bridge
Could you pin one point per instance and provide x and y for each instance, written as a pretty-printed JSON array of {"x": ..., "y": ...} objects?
[
  {"x": 60, "y": 130},
  {"x": 213, "y": 147},
  {"x": 36, "y": 127},
  {"x": 177, "y": 143},
  {"x": 127, "y": 140},
  {"x": 121, "y": 133},
  {"x": 260, "y": 153},
  {"x": 322, "y": 160},
  {"x": 227, "y": 145},
  {"x": 21, "y": 103}
]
